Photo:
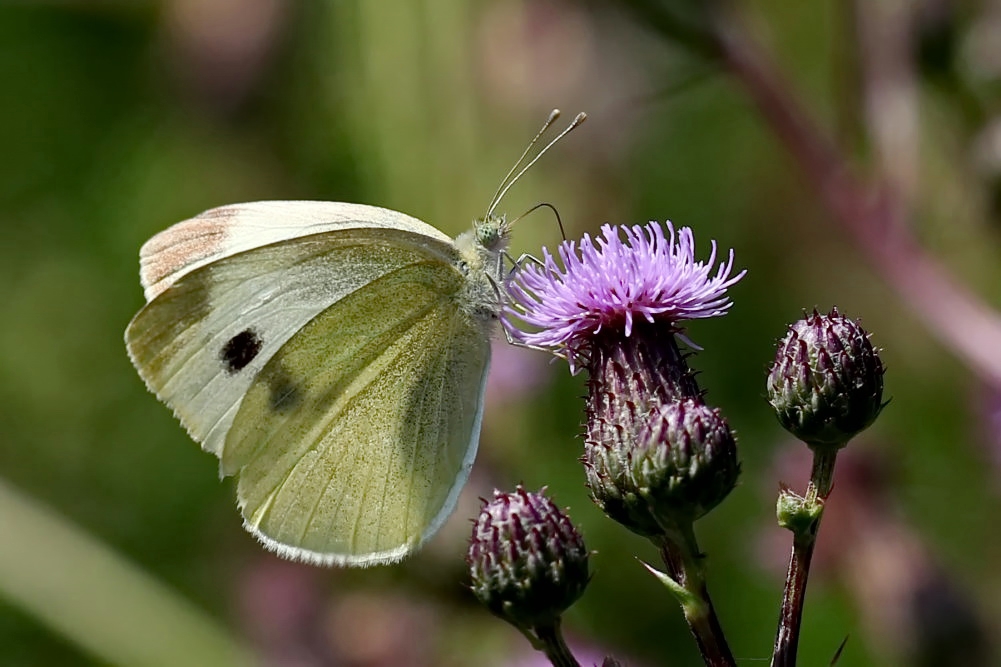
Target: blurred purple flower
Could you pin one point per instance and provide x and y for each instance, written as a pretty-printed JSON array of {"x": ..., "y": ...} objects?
[
  {"x": 515, "y": 374},
  {"x": 990, "y": 424},
  {"x": 282, "y": 606},
  {"x": 607, "y": 282}
]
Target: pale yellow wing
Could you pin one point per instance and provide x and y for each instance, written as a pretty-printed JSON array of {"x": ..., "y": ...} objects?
[
  {"x": 336, "y": 374},
  {"x": 355, "y": 438},
  {"x": 200, "y": 342},
  {"x": 228, "y": 230}
]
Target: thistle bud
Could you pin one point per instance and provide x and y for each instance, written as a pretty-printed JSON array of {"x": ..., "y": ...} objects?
[
  {"x": 827, "y": 381},
  {"x": 606, "y": 466},
  {"x": 527, "y": 561},
  {"x": 681, "y": 464},
  {"x": 686, "y": 463}
]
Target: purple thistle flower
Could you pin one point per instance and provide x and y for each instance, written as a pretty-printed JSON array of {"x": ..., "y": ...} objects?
[
  {"x": 614, "y": 308},
  {"x": 607, "y": 283}
]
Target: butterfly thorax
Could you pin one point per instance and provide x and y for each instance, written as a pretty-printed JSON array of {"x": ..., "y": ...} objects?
[{"x": 481, "y": 260}]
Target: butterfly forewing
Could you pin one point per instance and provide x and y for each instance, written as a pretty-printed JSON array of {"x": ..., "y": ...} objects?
[
  {"x": 356, "y": 436},
  {"x": 200, "y": 343},
  {"x": 228, "y": 230}
]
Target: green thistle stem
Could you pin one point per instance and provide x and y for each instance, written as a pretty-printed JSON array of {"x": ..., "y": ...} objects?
[
  {"x": 680, "y": 552},
  {"x": 822, "y": 475},
  {"x": 803, "y": 542},
  {"x": 549, "y": 640}
]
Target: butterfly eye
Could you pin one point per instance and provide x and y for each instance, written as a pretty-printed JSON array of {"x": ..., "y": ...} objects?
[
  {"x": 492, "y": 233},
  {"x": 240, "y": 350}
]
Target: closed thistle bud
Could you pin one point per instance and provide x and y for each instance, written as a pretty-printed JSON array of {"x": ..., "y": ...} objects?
[
  {"x": 826, "y": 384},
  {"x": 527, "y": 561},
  {"x": 680, "y": 464},
  {"x": 686, "y": 462}
]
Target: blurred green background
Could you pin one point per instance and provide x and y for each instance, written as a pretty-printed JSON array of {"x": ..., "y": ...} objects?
[{"x": 118, "y": 542}]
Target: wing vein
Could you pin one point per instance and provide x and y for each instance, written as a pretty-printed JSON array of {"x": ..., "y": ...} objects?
[{"x": 417, "y": 433}]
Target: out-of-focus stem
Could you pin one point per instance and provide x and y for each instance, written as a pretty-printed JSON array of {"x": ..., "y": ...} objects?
[
  {"x": 871, "y": 213},
  {"x": 680, "y": 553}
]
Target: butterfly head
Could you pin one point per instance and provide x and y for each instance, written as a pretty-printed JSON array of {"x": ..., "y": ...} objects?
[
  {"x": 492, "y": 232},
  {"x": 481, "y": 248}
]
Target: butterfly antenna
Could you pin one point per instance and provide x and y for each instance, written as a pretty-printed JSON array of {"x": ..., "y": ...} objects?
[
  {"x": 509, "y": 180},
  {"x": 553, "y": 115},
  {"x": 544, "y": 204}
]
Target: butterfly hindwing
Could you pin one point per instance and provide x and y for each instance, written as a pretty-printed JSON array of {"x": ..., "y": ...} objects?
[{"x": 356, "y": 436}]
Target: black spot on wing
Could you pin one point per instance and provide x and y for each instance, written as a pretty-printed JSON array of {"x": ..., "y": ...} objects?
[
  {"x": 285, "y": 394},
  {"x": 240, "y": 350}
]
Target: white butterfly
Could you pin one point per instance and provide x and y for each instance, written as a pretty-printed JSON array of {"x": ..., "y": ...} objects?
[{"x": 334, "y": 357}]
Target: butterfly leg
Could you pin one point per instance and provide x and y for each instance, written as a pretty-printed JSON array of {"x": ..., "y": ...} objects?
[{"x": 521, "y": 261}]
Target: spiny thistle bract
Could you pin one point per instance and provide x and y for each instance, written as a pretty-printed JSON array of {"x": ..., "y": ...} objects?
[
  {"x": 826, "y": 384},
  {"x": 527, "y": 561}
]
